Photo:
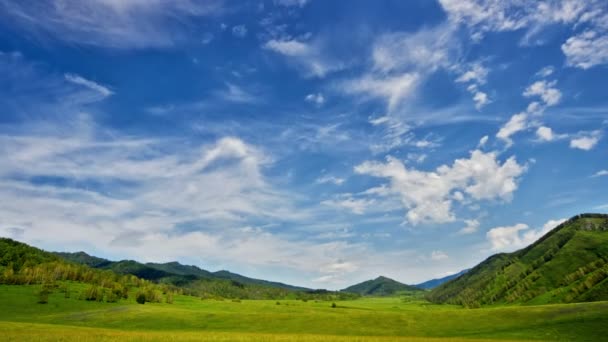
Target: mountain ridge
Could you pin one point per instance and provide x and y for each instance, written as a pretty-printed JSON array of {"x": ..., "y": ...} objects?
[
  {"x": 172, "y": 271},
  {"x": 433, "y": 283}
]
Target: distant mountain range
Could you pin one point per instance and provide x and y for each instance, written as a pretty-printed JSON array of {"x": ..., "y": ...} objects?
[
  {"x": 433, "y": 283},
  {"x": 171, "y": 272},
  {"x": 381, "y": 286},
  {"x": 568, "y": 264}
]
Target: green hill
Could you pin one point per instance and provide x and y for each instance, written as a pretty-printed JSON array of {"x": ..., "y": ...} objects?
[
  {"x": 170, "y": 272},
  {"x": 568, "y": 264},
  {"x": 381, "y": 286}
]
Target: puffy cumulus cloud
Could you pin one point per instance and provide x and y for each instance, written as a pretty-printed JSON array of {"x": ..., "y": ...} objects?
[
  {"x": 587, "y": 49},
  {"x": 546, "y": 91},
  {"x": 549, "y": 95},
  {"x": 476, "y": 75},
  {"x": 586, "y": 140},
  {"x": 109, "y": 23},
  {"x": 428, "y": 196},
  {"x": 307, "y": 56},
  {"x": 545, "y": 133},
  {"x": 510, "y": 238}
]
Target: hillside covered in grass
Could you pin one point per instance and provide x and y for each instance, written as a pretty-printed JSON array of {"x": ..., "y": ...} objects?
[
  {"x": 568, "y": 264},
  {"x": 381, "y": 286}
]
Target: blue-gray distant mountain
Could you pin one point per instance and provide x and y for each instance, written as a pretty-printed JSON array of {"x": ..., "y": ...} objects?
[{"x": 433, "y": 283}]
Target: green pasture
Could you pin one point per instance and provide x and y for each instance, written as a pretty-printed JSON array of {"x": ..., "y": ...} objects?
[{"x": 366, "y": 319}]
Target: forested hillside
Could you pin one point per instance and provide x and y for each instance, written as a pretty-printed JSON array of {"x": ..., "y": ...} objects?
[
  {"x": 568, "y": 264},
  {"x": 110, "y": 281}
]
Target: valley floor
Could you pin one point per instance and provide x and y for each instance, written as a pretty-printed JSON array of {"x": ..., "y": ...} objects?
[{"x": 367, "y": 319}]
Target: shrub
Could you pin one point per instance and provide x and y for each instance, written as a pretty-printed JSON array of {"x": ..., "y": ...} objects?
[{"x": 140, "y": 297}]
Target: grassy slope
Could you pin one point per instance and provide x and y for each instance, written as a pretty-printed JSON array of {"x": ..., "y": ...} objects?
[
  {"x": 568, "y": 264},
  {"x": 189, "y": 317},
  {"x": 380, "y": 286}
]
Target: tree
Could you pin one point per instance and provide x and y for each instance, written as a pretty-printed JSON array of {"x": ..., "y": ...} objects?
[{"x": 140, "y": 297}]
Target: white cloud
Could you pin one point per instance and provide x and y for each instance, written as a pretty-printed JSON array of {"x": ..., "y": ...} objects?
[
  {"x": 292, "y": 48},
  {"x": 438, "y": 255},
  {"x": 477, "y": 74},
  {"x": 483, "y": 141},
  {"x": 517, "y": 123},
  {"x": 586, "y": 141},
  {"x": 481, "y": 99},
  {"x": 485, "y": 16},
  {"x": 427, "y": 196},
  {"x": 76, "y": 79},
  {"x": 307, "y": 56},
  {"x": 424, "y": 50},
  {"x": 400, "y": 62},
  {"x": 522, "y": 121},
  {"x": 330, "y": 179},
  {"x": 600, "y": 173},
  {"x": 234, "y": 93},
  {"x": 346, "y": 201},
  {"x": 109, "y": 23},
  {"x": 545, "y": 133},
  {"x": 546, "y": 71},
  {"x": 471, "y": 227},
  {"x": 289, "y": 3},
  {"x": 510, "y": 238},
  {"x": 550, "y": 95},
  {"x": 507, "y": 237},
  {"x": 317, "y": 99},
  {"x": 239, "y": 31},
  {"x": 393, "y": 89},
  {"x": 586, "y": 50}
]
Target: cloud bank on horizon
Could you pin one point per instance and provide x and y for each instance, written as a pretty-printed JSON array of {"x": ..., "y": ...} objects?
[{"x": 406, "y": 139}]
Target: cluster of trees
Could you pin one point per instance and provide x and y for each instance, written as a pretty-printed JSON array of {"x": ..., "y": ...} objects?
[{"x": 21, "y": 264}]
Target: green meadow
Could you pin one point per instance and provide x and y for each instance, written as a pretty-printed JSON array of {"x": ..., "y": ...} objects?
[{"x": 188, "y": 318}]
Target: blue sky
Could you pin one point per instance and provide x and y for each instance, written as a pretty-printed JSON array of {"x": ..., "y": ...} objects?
[{"x": 319, "y": 143}]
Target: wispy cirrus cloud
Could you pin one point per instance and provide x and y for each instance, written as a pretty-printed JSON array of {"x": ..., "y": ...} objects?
[
  {"x": 306, "y": 55},
  {"x": 121, "y": 24}
]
